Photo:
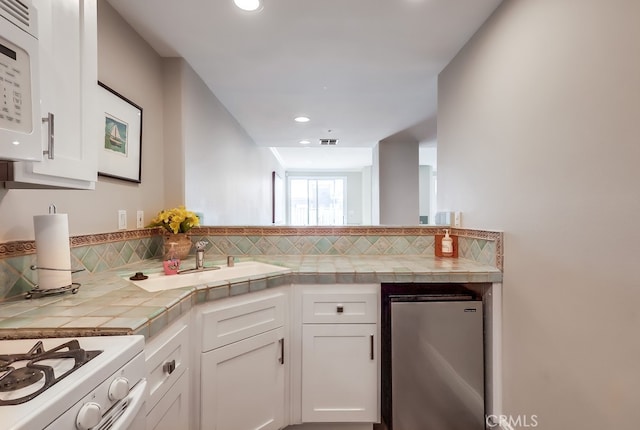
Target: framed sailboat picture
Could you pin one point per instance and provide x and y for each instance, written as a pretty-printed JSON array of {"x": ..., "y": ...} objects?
[{"x": 121, "y": 144}]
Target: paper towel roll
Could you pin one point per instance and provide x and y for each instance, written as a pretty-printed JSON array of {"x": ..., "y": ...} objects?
[{"x": 52, "y": 250}]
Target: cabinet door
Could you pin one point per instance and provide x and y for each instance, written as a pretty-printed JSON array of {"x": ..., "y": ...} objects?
[
  {"x": 339, "y": 373},
  {"x": 243, "y": 384},
  {"x": 172, "y": 411},
  {"x": 67, "y": 31}
]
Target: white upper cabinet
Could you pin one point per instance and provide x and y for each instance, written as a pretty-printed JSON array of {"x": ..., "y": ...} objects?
[{"x": 67, "y": 31}]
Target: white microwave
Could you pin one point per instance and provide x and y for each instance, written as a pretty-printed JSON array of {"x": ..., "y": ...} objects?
[{"x": 20, "y": 120}]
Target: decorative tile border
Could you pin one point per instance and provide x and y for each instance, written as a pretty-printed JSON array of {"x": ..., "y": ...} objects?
[
  {"x": 26, "y": 247},
  {"x": 317, "y": 231}
]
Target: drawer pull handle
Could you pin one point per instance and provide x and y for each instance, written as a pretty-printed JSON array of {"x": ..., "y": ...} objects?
[
  {"x": 371, "y": 347},
  {"x": 340, "y": 309},
  {"x": 281, "y": 359},
  {"x": 169, "y": 367}
]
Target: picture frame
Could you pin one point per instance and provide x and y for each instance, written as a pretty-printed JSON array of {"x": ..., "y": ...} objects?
[{"x": 120, "y": 154}]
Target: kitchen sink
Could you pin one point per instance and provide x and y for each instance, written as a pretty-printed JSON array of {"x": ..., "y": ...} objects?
[{"x": 191, "y": 278}]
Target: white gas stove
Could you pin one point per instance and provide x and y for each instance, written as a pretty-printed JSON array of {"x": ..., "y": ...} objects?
[{"x": 62, "y": 383}]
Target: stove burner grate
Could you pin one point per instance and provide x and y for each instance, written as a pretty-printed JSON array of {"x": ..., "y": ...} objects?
[
  {"x": 14, "y": 379},
  {"x": 19, "y": 378}
]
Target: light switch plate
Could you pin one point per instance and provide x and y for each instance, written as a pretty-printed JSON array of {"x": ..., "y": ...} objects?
[
  {"x": 122, "y": 219},
  {"x": 140, "y": 219},
  {"x": 457, "y": 219}
]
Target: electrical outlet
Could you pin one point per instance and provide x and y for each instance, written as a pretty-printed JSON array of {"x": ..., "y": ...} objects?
[
  {"x": 140, "y": 219},
  {"x": 122, "y": 219},
  {"x": 457, "y": 219}
]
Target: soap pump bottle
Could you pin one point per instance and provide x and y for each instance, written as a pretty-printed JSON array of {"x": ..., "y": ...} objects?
[
  {"x": 447, "y": 244},
  {"x": 172, "y": 264}
]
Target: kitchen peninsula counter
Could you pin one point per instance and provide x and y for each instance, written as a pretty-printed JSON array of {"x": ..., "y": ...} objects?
[{"x": 107, "y": 303}]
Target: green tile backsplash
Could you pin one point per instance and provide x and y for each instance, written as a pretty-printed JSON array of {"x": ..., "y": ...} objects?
[{"x": 97, "y": 253}]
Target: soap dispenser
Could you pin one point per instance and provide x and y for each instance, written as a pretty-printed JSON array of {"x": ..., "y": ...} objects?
[
  {"x": 447, "y": 244},
  {"x": 172, "y": 264}
]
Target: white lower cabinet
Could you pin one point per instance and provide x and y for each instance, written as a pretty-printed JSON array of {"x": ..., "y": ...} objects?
[
  {"x": 243, "y": 384},
  {"x": 339, "y": 373},
  {"x": 172, "y": 411},
  {"x": 335, "y": 362},
  {"x": 256, "y": 371},
  {"x": 167, "y": 360},
  {"x": 243, "y": 362}
]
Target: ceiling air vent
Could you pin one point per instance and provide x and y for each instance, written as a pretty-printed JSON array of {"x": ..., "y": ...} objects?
[
  {"x": 328, "y": 141},
  {"x": 18, "y": 12}
]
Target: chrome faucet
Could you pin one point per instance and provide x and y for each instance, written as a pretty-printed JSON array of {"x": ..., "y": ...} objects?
[
  {"x": 199, "y": 259},
  {"x": 200, "y": 254}
]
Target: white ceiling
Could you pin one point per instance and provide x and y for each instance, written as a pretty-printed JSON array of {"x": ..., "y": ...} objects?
[{"x": 362, "y": 70}]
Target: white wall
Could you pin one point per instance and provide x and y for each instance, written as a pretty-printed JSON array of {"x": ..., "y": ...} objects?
[
  {"x": 538, "y": 129},
  {"x": 227, "y": 177},
  {"x": 96, "y": 211}
]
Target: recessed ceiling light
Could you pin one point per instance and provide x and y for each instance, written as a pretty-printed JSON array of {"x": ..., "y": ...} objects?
[
  {"x": 248, "y": 5},
  {"x": 15, "y": 142},
  {"x": 305, "y": 142},
  {"x": 301, "y": 119}
]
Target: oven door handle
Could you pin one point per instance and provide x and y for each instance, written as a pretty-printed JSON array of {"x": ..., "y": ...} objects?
[{"x": 137, "y": 399}]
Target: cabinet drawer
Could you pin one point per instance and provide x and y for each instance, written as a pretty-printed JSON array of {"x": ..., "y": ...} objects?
[
  {"x": 238, "y": 318},
  {"x": 331, "y": 307},
  {"x": 167, "y": 357}
]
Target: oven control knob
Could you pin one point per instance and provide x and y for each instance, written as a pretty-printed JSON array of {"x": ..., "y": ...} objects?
[
  {"x": 89, "y": 416},
  {"x": 119, "y": 389}
]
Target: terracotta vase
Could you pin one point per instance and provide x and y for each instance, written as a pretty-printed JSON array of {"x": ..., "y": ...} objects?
[{"x": 181, "y": 245}]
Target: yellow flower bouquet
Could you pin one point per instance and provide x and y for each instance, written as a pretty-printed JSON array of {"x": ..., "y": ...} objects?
[{"x": 176, "y": 220}]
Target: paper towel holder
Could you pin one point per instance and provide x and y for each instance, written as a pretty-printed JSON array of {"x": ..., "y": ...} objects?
[{"x": 37, "y": 292}]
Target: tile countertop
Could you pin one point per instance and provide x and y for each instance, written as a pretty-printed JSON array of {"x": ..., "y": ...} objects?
[{"x": 107, "y": 303}]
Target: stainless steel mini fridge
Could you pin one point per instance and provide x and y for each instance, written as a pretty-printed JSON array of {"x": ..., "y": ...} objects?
[{"x": 437, "y": 364}]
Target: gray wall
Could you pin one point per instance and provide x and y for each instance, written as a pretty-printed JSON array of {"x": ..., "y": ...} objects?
[
  {"x": 367, "y": 185},
  {"x": 425, "y": 188},
  {"x": 96, "y": 211},
  {"x": 232, "y": 175},
  {"x": 398, "y": 181},
  {"x": 538, "y": 136},
  {"x": 173, "y": 127},
  {"x": 226, "y": 176}
]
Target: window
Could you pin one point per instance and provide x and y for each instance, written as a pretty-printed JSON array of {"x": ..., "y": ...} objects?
[{"x": 317, "y": 201}]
